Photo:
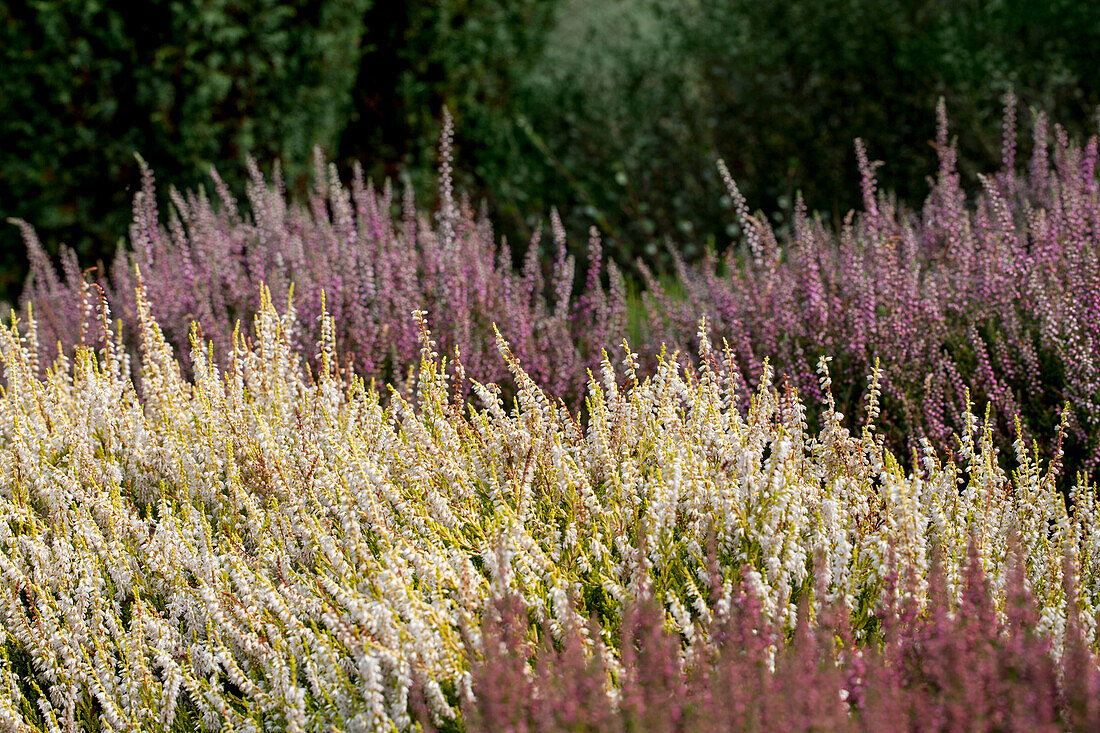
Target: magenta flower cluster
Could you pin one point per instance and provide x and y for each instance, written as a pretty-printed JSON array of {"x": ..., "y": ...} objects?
[
  {"x": 206, "y": 260},
  {"x": 997, "y": 293},
  {"x": 955, "y": 665}
]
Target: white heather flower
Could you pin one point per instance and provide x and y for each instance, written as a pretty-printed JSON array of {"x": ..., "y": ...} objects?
[{"x": 320, "y": 550}]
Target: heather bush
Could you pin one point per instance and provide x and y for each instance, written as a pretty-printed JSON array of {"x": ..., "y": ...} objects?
[
  {"x": 611, "y": 110},
  {"x": 256, "y": 546},
  {"x": 966, "y": 664},
  {"x": 370, "y": 268},
  {"x": 992, "y": 295}
]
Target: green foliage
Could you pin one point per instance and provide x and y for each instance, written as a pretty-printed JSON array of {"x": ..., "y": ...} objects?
[
  {"x": 613, "y": 111},
  {"x": 267, "y": 78},
  {"x": 630, "y": 102},
  {"x": 469, "y": 55},
  {"x": 611, "y": 108},
  {"x": 186, "y": 83}
]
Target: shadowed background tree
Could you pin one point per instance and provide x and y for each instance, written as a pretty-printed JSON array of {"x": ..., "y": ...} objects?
[
  {"x": 187, "y": 84},
  {"x": 611, "y": 110}
]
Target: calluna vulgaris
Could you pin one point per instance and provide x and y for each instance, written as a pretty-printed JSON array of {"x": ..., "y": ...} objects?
[
  {"x": 955, "y": 667},
  {"x": 373, "y": 268},
  {"x": 257, "y": 546},
  {"x": 996, "y": 294}
]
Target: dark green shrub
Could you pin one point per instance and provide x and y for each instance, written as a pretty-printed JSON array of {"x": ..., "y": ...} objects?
[
  {"x": 187, "y": 83},
  {"x": 630, "y": 102},
  {"x": 470, "y": 55}
]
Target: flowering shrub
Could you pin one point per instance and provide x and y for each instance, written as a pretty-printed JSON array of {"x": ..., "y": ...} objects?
[
  {"x": 963, "y": 666},
  {"x": 255, "y": 546},
  {"x": 209, "y": 260},
  {"x": 995, "y": 296}
]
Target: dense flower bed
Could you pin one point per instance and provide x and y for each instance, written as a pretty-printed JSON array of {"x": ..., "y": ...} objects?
[
  {"x": 993, "y": 293},
  {"x": 256, "y": 546},
  {"x": 963, "y": 666},
  {"x": 208, "y": 263}
]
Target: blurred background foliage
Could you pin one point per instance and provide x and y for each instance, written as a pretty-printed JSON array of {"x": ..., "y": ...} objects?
[
  {"x": 185, "y": 83},
  {"x": 612, "y": 110}
]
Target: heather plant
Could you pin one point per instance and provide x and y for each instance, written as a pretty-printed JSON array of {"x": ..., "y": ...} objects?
[
  {"x": 247, "y": 543},
  {"x": 972, "y": 663},
  {"x": 370, "y": 268},
  {"x": 991, "y": 295}
]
